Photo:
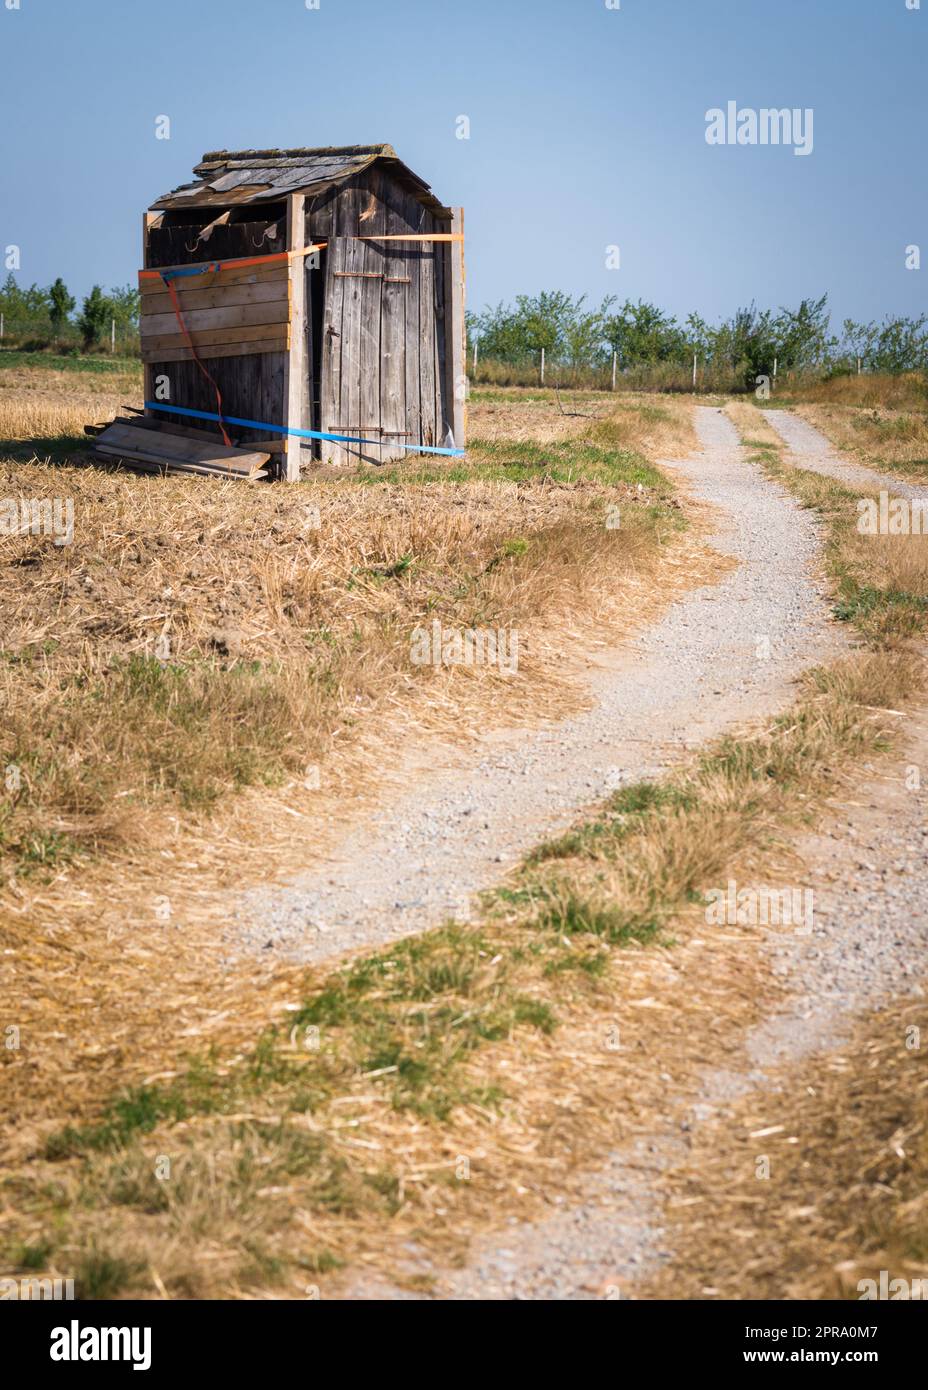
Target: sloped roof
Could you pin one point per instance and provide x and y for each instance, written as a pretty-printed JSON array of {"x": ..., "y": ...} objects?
[{"x": 256, "y": 176}]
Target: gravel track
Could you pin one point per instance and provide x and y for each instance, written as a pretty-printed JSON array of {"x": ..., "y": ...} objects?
[
  {"x": 868, "y": 868},
  {"x": 424, "y": 856},
  {"x": 811, "y": 450},
  {"x": 869, "y": 872}
]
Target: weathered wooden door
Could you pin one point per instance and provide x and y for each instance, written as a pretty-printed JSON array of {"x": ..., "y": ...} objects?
[{"x": 380, "y": 349}]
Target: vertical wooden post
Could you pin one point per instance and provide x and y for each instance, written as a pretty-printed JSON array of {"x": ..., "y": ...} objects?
[
  {"x": 476, "y": 345},
  {"x": 615, "y": 362},
  {"x": 294, "y": 370},
  {"x": 147, "y": 219},
  {"x": 542, "y": 366},
  {"x": 695, "y": 359},
  {"x": 456, "y": 353}
]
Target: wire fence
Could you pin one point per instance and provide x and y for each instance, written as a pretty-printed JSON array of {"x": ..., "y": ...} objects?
[
  {"x": 699, "y": 374},
  {"x": 534, "y": 369},
  {"x": 38, "y": 334}
]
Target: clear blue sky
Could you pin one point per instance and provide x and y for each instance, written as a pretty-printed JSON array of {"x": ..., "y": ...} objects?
[{"x": 587, "y": 129}]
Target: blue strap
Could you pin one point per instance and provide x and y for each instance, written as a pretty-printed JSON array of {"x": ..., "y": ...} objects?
[
  {"x": 189, "y": 270},
  {"x": 302, "y": 434}
]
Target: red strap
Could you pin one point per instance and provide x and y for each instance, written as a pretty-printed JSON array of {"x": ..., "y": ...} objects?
[{"x": 169, "y": 284}]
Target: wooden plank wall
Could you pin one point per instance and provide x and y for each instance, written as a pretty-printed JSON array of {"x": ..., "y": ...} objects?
[
  {"x": 248, "y": 370},
  {"x": 229, "y": 312},
  {"x": 394, "y": 310},
  {"x": 174, "y": 242},
  {"x": 383, "y": 341},
  {"x": 252, "y": 388},
  {"x": 239, "y": 320}
]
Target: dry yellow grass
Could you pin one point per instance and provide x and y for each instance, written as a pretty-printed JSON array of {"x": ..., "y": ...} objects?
[
  {"x": 881, "y": 421},
  {"x": 895, "y": 441},
  {"x": 845, "y": 1132},
  {"x": 198, "y": 637},
  {"x": 287, "y": 645},
  {"x": 865, "y": 565},
  {"x": 282, "y": 1165},
  {"x": 848, "y": 1201},
  {"x": 656, "y": 428},
  {"x": 272, "y": 1201},
  {"x": 899, "y": 391},
  {"x": 42, "y": 404},
  {"x": 752, "y": 424},
  {"x": 897, "y": 564}
]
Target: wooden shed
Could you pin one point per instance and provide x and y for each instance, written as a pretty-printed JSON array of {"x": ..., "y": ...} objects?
[{"x": 310, "y": 290}]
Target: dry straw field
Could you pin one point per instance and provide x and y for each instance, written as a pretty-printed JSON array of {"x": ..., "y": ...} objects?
[
  {"x": 169, "y": 677},
  {"x": 166, "y": 682},
  {"x": 194, "y": 641}
]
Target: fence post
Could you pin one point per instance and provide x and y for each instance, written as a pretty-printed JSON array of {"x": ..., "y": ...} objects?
[
  {"x": 542, "y": 366},
  {"x": 776, "y": 362},
  {"x": 1, "y": 327},
  {"x": 615, "y": 358},
  {"x": 694, "y": 371},
  {"x": 476, "y": 342},
  {"x": 858, "y": 363},
  {"x": 112, "y": 335}
]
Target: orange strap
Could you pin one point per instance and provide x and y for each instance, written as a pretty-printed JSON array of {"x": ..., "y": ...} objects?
[
  {"x": 217, "y": 267},
  {"x": 213, "y": 267},
  {"x": 238, "y": 263}
]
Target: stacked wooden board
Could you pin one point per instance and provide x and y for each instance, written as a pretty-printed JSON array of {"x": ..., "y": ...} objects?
[
  {"x": 152, "y": 447},
  {"x": 231, "y": 312}
]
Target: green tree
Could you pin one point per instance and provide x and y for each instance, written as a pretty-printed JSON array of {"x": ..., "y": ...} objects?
[
  {"x": 552, "y": 320},
  {"x": 640, "y": 333},
  {"x": 61, "y": 304},
  {"x": 584, "y": 333},
  {"x": 895, "y": 345},
  {"x": 802, "y": 334},
  {"x": 23, "y": 305},
  {"x": 901, "y": 345},
  {"x": 747, "y": 343},
  {"x": 124, "y": 304},
  {"x": 699, "y": 334},
  {"x": 500, "y": 334},
  {"x": 95, "y": 314}
]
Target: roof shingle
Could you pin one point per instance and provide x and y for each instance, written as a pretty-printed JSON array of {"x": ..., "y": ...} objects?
[{"x": 254, "y": 176}]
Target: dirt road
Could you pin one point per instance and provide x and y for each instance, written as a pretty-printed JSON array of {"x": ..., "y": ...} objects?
[
  {"x": 868, "y": 868},
  {"x": 724, "y": 654},
  {"x": 811, "y": 450}
]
